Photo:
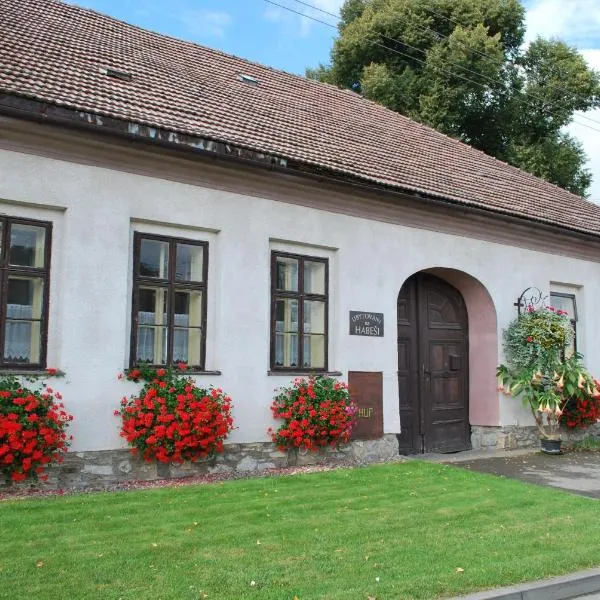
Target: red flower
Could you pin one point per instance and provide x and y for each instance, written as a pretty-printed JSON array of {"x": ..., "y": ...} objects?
[
  {"x": 582, "y": 410},
  {"x": 171, "y": 420},
  {"x": 530, "y": 339},
  {"x": 32, "y": 429},
  {"x": 52, "y": 371},
  {"x": 316, "y": 412}
]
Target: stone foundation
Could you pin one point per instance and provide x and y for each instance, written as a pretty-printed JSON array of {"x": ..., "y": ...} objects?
[
  {"x": 97, "y": 469},
  {"x": 514, "y": 437}
]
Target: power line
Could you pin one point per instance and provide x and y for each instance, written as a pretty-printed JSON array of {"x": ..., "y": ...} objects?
[
  {"x": 303, "y": 14},
  {"x": 376, "y": 43},
  {"x": 429, "y": 9},
  {"x": 439, "y": 36}
]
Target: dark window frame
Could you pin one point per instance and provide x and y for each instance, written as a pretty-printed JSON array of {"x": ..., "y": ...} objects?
[
  {"x": 573, "y": 320},
  {"x": 301, "y": 296},
  {"x": 171, "y": 284},
  {"x": 6, "y": 271}
]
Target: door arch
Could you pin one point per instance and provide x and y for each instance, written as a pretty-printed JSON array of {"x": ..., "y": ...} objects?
[{"x": 433, "y": 366}]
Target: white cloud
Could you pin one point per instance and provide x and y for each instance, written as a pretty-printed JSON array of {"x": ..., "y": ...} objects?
[
  {"x": 575, "y": 21},
  {"x": 206, "y": 23},
  {"x": 589, "y": 133},
  {"x": 300, "y": 24},
  {"x": 303, "y": 23},
  {"x": 329, "y": 5},
  {"x": 590, "y": 139}
]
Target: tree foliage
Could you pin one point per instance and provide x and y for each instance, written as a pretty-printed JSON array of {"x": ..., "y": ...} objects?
[{"x": 460, "y": 66}]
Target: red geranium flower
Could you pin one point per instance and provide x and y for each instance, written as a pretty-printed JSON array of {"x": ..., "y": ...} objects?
[
  {"x": 32, "y": 429},
  {"x": 316, "y": 412},
  {"x": 171, "y": 420}
]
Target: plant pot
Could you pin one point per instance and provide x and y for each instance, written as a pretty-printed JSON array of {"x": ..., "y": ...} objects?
[
  {"x": 292, "y": 457},
  {"x": 551, "y": 446}
]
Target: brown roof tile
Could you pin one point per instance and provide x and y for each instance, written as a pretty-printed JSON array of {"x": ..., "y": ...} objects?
[{"x": 57, "y": 53}]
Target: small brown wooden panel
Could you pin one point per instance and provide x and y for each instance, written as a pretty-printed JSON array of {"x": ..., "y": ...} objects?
[{"x": 366, "y": 389}]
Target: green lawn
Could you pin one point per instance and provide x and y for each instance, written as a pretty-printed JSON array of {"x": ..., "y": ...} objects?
[{"x": 388, "y": 531}]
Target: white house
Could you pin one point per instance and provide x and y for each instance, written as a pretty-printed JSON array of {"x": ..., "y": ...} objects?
[{"x": 164, "y": 202}]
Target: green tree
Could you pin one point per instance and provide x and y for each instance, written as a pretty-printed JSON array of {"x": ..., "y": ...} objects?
[{"x": 460, "y": 66}]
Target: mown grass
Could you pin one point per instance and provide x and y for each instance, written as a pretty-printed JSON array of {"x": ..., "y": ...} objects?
[{"x": 389, "y": 531}]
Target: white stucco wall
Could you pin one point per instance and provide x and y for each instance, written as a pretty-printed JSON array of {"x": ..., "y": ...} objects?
[{"x": 95, "y": 211}]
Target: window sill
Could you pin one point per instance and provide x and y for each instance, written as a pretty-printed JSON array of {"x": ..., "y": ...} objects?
[
  {"x": 283, "y": 373},
  {"x": 197, "y": 373},
  {"x": 27, "y": 372}
]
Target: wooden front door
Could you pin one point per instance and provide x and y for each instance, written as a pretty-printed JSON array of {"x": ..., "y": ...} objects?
[{"x": 433, "y": 363}]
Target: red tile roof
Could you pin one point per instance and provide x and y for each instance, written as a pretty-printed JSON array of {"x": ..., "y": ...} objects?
[{"x": 58, "y": 53}]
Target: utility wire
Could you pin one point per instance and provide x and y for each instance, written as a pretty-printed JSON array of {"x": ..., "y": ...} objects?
[
  {"x": 429, "y": 9},
  {"x": 427, "y": 29},
  {"x": 376, "y": 43},
  {"x": 438, "y": 36},
  {"x": 304, "y": 14}
]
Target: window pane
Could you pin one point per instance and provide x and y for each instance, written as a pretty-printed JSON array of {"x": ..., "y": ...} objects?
[
  {"x": 152, "y": 309},
  {"x": 314, "y": 351},
  {"x": 314, "y": 316},
  {"x": 187, "y": 344},
  {"x": 154, "y": 259},
  {"x": 286, "y": 274},
  {"x": 567, "y": 303},
  {"x": 188, "y": 308},
  {"x": 25, "y": 298},
  {"x": 189, "y": 262},
  {"x": 151, "y": 345},
  {"x": 22, "y": 341},
  {"x": 564, "y": 303},
  {"x": 27, "y": 243},
  {"x": 152, "y": 333},
  {"x": 25, "y": 301},
  {"x": 314, "y": 277},
  {"x": 286, "y": 315},
  {"x": 286, "y": 350}
]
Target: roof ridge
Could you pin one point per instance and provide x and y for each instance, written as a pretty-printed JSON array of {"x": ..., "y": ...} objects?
[
  {"x": 310, "y": 81},
  {"x": 57, "y": 52}
]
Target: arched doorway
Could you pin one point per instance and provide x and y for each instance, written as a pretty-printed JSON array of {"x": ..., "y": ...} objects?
[{"x": 433, "y": 366}]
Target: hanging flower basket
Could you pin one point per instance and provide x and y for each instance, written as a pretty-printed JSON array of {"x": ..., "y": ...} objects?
[{"x": 538, "y": 372}]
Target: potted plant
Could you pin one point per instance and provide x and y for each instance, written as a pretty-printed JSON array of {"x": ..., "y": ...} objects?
[{"x": 538, "y": 372}]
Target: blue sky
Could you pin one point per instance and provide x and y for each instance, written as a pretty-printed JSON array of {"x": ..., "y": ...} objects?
[
  {"x": 259, "y": 31},
  {"x": 252, "y": 29}
]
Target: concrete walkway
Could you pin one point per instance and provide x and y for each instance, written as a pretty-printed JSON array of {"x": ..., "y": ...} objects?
[
  {"x": 578, "y": 586},
  {"x": 576, "y": 472}
]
